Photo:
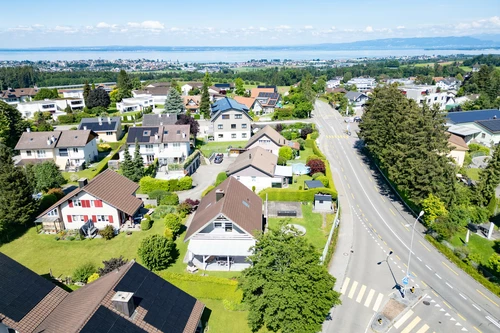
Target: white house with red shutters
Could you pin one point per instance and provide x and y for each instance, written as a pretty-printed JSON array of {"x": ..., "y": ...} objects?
[{"x": 109, "y": 198}]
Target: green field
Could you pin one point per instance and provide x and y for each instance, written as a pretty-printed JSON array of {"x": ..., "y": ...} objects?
[
  {"x": 207, "y": 148},
  {"x": 473, "y": 173},
  {"x": 477, "y": 244}
]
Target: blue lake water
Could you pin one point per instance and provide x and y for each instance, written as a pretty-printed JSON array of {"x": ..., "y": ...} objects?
[{"x": 224, "y": 55}]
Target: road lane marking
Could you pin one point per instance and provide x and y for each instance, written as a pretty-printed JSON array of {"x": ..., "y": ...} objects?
[
  {"x": 449, "y": 268},
  {"x": 449, "y": 285},
  {"x": 477, "y": 329},
  {"x": 462, "y": 296},
  {"x": 398, "y": 257},
  {"x": 458, "y": 314},
  {"x": 392, "y": 212},
  {"x": 415, "y": 275},
  {"x": 428, "y": 267},
  {"x": 425, "y": 246},
  {"x": 344, "y": 285},
  {"x": 446, "y": 304},
  {"x": 493, "y": 321},
  {"x": 352, "y": 195},
  {"x": 410, "y": 326},
  {"x": 419, "y": 259},
  {"x": 403, "y": 319},
  {"x": 489, "y": 299},
  {"x": 423, "y": 329},
  {"x": 348, "y": 185},
  {"x": 383, "y": 199},
  {"x": 378, "y": 301},
  {"x": 342, "y": 169},
  {"x": 369, "y": 298},
  {"x": 438, "y": 276},
  {"x": 405, "y": 265},
  {"x": 425, "y": 284},
  {"x": 345, "y": 177},
  {"x": 370, "y": 180},
  {"x": 435, "y": 293},
  {"x": 361, "y": 294},
  {"x": 353, "y": 289},
  {"x": 477, "y": 308}
]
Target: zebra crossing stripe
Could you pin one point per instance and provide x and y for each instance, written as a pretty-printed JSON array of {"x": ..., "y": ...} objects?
[
  {"x": 353, "y": 289},
  {"x": 361, "y": 294},
  {"x": 423, "y": 329},
  {"x": 402, "y": 320},
  {"x": 411, "y": 325},
  {"x": 369, "y": 298},
  {"x": 344, "y": 286},
  {"x": 378, "y": 301}
]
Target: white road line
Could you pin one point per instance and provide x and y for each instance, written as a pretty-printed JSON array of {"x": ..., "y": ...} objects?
[
  {"x": 449, "y": 285},
  {"x": 493, "y": 321},
  {"x": 419, "y": 259},
  {"x": 369, "y": 298},
  {"x": 462, "y": 296},
  {"x": 410, "y": 326},
  {"x": 353, "y": 289},
  {"x": 423, "y": 329},
  {"x": 344, "y": 285},
  {"x": 428, "y": 267},
  {"x": 361, "y": 294},
  {"x": 403, "y": 319},
  {"x": 438, "y": 276},
  {"x": 378, "y": 301},
  {"x": 477, "y": 308}
]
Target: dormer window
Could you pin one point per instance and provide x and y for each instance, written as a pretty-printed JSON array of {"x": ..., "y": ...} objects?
[
  {"x": 178, "y": 132},
  {"x": 165, "y": 132}
]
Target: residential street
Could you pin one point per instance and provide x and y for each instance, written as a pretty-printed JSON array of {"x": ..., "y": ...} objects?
[{"x": 374, "y": 222}]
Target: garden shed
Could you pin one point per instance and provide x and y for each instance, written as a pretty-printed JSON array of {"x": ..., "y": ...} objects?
[{"x": 323, "y": 202}]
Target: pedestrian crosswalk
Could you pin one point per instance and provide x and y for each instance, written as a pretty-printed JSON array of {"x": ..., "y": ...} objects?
[
  {"x": 411, "y": 322},
  {"x": 358, "y": 294},
  {"x": 337, "y": 136}
]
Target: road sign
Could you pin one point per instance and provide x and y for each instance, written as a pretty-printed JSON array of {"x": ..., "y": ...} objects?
[{"x": 405, "y": 280}]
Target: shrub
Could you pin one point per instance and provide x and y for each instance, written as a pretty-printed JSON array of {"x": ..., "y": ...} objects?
[
  {"x": 184, "y": 208},
  {"x": 157, "y": 252},
  {"x": 285, "y": 152},
  {"x": 185, "y": 183},
  {"x": 111, "y": 264},
  {"x": 108, "y": 232},
  {"x": 173, "y": 222},
  {"x": 173, "y": 184},
  {"x": 147, "y": 223},
  {"x": 314, "y": 135},
  {"x": 281, "y": 161},
  {"x": 253, "y": 189},
  {"x": 317, "y": 174},
  {"x": 197, "y": 116},
  {"x": 222, "y": 176},
  {"x": 305, "y": 131},
  {"x": 300, "y": 188},
  {"x": 46, "y": 201},
  {"x": 161, "y": 211},
  {"x": 302, "y": 143},
  {"x": 58, "y": 192},
  {"x": 149, "y": 184},
  {"x": 71, "y": 238},
  {"x": 83, "y": 272},
  {"x": 169, "y": 234},
  {"x": 323, "y": 180},
  {"x": 93, "y": 277},
  {"x": 66, "y": 119},
  {"x": 276, "y": 194},
  {"x": 312, "y": 157},
  {"x": 208, "y": 189},
  {"x": 192, "y": 202},
  {"x": 170, "y": 199},
  {"x": 316, "y": 166},
  {"x": 157, "y": 194}
]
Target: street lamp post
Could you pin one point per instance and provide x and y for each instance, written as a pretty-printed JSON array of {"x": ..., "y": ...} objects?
[{"x": 411, "y": 248}]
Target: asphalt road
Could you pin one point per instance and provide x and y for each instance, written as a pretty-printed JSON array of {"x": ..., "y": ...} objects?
[{"x": 375, "y": 222}]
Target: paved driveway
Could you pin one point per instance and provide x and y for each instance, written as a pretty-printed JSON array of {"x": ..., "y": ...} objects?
[{"x": 204, "y": 177}]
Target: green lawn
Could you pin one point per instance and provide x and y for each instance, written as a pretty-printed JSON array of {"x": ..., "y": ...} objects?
[
  {"x": 473, "y": 173},
  {"x": 298, "y": 181},
  {"x": 207, "y": 148},
  {"x": 303, "y": 156},
  {"x": 477, "y": 244},
  {"x": 313, "y": 222}
]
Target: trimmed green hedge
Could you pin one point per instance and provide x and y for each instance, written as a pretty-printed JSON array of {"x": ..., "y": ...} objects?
[
  {"x": 190, "y": 158},
  {"x": 149, "y": 184},
  {"x": 473, "y": 272},
  {"x": 276, "y": 194},
  {"x": 208, "y": 189}
]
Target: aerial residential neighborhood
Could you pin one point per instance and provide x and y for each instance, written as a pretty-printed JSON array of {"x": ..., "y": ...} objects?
[{"x": 328, "y": 168}]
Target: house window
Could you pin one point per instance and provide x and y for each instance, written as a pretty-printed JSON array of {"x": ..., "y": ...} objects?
[
  {"x": 177, "y": 145},
  {"x": 218, "y": 225},
  {"x": 165, "y": 145},
  {"x": 109, "y": 133},
  {"x": 220, "y": 126},
  {"x": 221, "y": 136},
  {"x": 254, "y": 179},
  {"x": 243, "y": 125},
  {"x": 321, "y": 201},
  {"x": 75, "y": 150},
  {"x": 233, "y": 136},
  {"x": 483, "y": 135},
  {"x": 237, "y": 177},
  {"x": 225, "y": 116},
  {"x": 102, "y": 218},
  {"x": 237, "y": 116},
  {"x": 78, "y": 218},
  {"x": 53, "y": 212},
  {"x": 40, "y": 153},
  {"x": 77, "y": 203},
  {"x": 149, "y": 147},
  {"x": 63, "y": 152},
  {"x": 233, "y": 126},
  {"x": 28, "y": 152},
  {"x": 228, "y": 227},
  {"x": 244, "y": 135}
]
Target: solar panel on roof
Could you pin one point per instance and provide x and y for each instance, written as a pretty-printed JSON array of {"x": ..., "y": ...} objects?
[{"x": 492, "y": 125}]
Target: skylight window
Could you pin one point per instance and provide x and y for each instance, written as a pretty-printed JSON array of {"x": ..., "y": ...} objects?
[
  {"x": 146, "y": 133},
  {"x": 245, "y": 203}
]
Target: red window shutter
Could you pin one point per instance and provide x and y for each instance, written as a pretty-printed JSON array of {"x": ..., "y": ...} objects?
[
  {"x": 94, "y": 218},
  {"x": 85, "y": 218},
  {"x": 69, "y": 218},
  {"x": 86, "y": 203},
  {"x": 98, "y": 203},
  {"x": 70, "y": 203},
  {"x": 110, "y": 218}
]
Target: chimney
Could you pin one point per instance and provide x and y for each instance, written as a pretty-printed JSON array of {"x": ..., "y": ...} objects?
[
  {"x": 28, "y": 129},
  {"x": 156, "y": 137},
  {"x": 53, "y": 138},
  {"x": 161, "y": 123},
  {"x": 219, "y": 194},
  {"x": 100, "y": 121},
  {"x": 109, "y": 120},
  {"x": 49, "y": 142},
  {"x": 84, "y": 128},
  {"x": 123, "y": 302},
  {"x": 249, "y": 156},
  {"x": 82, "y": 182},
  {"x": 183, "y": 134}
]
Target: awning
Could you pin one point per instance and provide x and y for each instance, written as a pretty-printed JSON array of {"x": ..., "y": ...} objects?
[{"x": 221, "y": 247}]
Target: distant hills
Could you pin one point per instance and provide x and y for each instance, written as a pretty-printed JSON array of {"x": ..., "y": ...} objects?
[{"x": 478, "y": 42}]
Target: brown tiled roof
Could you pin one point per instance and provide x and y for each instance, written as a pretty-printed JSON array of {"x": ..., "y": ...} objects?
[
  {"x": 257, "y": 157},
  {"x": 37, "y": 140},
  {"x": 18, "y": 92},
  {"x": 196, "y": 99},
  {"x": 155, "y": 91},
  {"x": 75, "y": 138},
  {"x": 110, "y": 187},
  {"x": 194, "y": 318},
  {"x": 247, "y": 216},
  {"x": 271, "y": 133},
  {"x": 247, "y": 101},
  {"x": 195, "y": 84},
  {"x": 174, "y": 133},
  {"x": 256, "y": 91},
  {"x": 457, "y": 142}
]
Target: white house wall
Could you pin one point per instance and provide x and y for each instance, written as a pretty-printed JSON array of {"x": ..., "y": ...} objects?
[{"x": 266, "y": 143}]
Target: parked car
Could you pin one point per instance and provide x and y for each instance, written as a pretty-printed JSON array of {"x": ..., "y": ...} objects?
[
  {"x": 218, "y": 158},
  {"x": 357, "y": 119}
]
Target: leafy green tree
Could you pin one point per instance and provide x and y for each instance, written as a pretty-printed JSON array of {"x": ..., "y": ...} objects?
[
  {"x": 83, "y": 272},
  {"x": 138, "y": 163},
  {"x": 239, "y": 86},
  {"x": 174, "y": 103},
  {"x": 157, "y": 252},
  {"x": 45, "y": 93},
  {"x": 136, "y": 83},
  {"x": 347, "y": 77},
  {"x": 111, "y": 264},
  {"x": 12, "y": 125},
  {"x": 127, "y": 166},
  {"x": 123, "y": 82},
  {"x": 47, "y": 176},
  {"x": 175, "y": 85},
  {"x": 195, "y": 91},
  {"x": 174, "y": 223},
  {"x": 433, "y": 208},
  {"x": 320, "y": 84},
  {"x": 285, "y": 152},
  {"x": 86, "y": 91},
  {"x": 459, "y": 77},
  {"x": 489, "y": 179},
  {"x": 98, "y": 97},
  {"x": 303, "y": 109},
  {"x": 205, "y": 102},
  {"x": 41, "y": 121},
  {"x": 280, "y": 256},
  {"x": 306, "y": 88},
  {"x": 494, "y": 263},
  {"x": 16, "y": 201}
]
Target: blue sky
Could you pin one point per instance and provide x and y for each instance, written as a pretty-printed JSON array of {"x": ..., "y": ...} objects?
[{"x": 235, "y": 23}]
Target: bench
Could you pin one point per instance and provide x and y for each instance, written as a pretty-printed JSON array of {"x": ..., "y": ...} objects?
[{"x": 290, "y": 213}]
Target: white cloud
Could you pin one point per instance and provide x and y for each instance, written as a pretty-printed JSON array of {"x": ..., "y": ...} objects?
[
  {"x": 21, "y": 28},
  {"x": 66, "y": 29},
  {"x": 308, "y": 27},
  {"x": 147, "y": 25},
  {"x": 263, "y": 29},
  {"x": 368, "y": 29},
  {"x": 283, "y": 27},
  {"x": 333, "y": 28},
  {"x": 104, "y": 25},
  {"x": 400, "y": 27}
]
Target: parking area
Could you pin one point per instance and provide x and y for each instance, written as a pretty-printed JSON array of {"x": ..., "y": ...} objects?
[
  {"x": 204, "y": 177},
  {"x": 284, "y": 207}
]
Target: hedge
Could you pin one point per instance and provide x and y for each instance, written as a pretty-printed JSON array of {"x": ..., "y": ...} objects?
[
  {"x": 149, "y": 184},
  {"x": 190, "y": 158},
  {"x": 146, "y": 224},
  {"x": 208, "y": 189},
  {"x": 276, "y": 194},
  {"x": 473, "y": 272},
  {"x": 222, "y": 176}
]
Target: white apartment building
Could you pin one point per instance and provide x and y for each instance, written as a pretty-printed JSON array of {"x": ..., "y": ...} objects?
[
  {"x": 426, "y": 94},
  {"x": 230, "y": 121},
  {"x": 56, "y": 107},
  {"x": 363, "y": 83},
  {"x": 137, "y": 103}
]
